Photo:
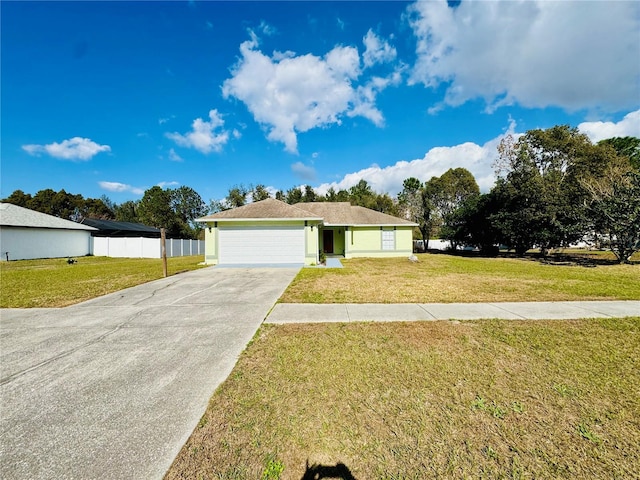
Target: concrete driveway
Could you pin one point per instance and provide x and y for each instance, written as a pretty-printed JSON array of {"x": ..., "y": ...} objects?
[{"x": 113, "y": 387}]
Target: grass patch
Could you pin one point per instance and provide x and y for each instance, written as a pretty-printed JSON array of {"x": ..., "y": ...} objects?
[
  {"x": 482, "y": 399},
  {"x": 440, "y": 278},
  {"x": 55, "y": 283}
]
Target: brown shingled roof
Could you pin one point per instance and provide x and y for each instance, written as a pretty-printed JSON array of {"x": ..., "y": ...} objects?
[
  {"x": 331, "y": 213},
  {"x": 268, "y": 209},
  {"x": 343, "y": 213}
]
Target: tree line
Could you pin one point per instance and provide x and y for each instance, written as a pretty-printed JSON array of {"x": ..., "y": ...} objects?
[
  {"x": 554, "y": 187},
  {"x": 361, "y": 194},
  {"x": 172, "y": 209}
]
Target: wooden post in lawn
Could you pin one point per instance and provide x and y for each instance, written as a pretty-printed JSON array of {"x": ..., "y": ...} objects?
[{"x": 163, "y": 243}]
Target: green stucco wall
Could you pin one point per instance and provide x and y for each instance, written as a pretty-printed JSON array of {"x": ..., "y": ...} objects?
[
  {"x": 367, "y": 242},
  {"x": 312, "y": 248},
  {"x": 210, "y": 245}
]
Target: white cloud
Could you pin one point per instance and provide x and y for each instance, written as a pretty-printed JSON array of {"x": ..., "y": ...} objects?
[
  {"x": 575, "y": 55},
  {"x": 290, "y": 94},
  {"x": 376, "y": 50},
  {"x": 168, "y": 184},
  {"x": 174, "y": 157},
  {"x": 364, "y": 103},
  {"x": 204, "y": 136},
  {"x": 76, "y": 148},
  {"x": 120, "y": 187},
  {"x": 478, "y": 159},
  {"x": 267, "y": 29},
  {"x": 304, "y": 172},
  {"x": 629, "y": 126}
]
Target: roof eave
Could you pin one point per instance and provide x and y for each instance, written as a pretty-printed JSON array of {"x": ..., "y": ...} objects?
[
  {"x": 85, "y": 228},
  {"x": 261, "y": 219},
  {"x": 380, "y": 225}
]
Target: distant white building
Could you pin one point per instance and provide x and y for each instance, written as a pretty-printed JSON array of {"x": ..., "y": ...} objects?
[{"x": 26, "y": 234}]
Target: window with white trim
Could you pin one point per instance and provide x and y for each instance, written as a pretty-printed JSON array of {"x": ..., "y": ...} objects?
[{"x": 388, "y": 240}]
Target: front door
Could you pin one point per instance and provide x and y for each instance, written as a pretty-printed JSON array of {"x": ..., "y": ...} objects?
[{"x": 327, "y": 241}]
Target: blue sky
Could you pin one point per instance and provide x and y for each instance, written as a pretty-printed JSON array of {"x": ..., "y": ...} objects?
[{"x": 116, "y": 97}]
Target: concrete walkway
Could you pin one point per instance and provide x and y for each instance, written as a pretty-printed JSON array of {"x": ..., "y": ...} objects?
[
  {"x": 352, "y": 312},
  {"x": 113, "y": 387}
]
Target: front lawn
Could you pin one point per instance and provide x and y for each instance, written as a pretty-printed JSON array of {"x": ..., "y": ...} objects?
[
  {"x": 481, "y": 399},
  {"x": 55, "y": 283},
  {"x": 440, "y": 278}
]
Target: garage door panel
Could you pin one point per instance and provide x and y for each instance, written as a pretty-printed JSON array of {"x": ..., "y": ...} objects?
[{"x": 261, "y": 245}]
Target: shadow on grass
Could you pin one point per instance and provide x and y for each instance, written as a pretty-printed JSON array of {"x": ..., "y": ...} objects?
[
  {"x": 317, "y": 472},
  {"x": 573, "y": 259},
  {"x": 559, "y": 258}
]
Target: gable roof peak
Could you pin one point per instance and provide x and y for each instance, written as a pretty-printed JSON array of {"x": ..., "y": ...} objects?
[{"x": 267, "y": 209}]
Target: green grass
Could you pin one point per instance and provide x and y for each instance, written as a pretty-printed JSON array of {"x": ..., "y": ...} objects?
[
  {"x": 449, "y": 400},
  {"x": 55, "y": 283},
  {"x": 440, "y": 278}
]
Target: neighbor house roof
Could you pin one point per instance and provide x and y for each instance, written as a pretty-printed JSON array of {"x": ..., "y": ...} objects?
[
  {"x": 112, "y": 228},
  {"x": 330, "y": 213},
  {"x": 269, "y": 209},
  {"x": 15, "y": 216}
]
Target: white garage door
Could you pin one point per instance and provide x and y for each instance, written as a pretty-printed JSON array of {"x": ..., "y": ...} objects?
[{"x": 261, "y": 245}]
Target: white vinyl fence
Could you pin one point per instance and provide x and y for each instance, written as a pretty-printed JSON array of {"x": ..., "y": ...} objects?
[{"x": 139, "y": 247}]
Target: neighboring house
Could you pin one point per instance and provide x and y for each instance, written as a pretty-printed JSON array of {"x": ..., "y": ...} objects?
[
  {"x": 27, "y": 234},
  {"x": 274, "y": 232}
]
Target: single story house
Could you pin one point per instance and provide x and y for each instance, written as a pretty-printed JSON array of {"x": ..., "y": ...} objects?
[
  {"x": 274, "y": 232},
  {"x": 26, "y": 234}
]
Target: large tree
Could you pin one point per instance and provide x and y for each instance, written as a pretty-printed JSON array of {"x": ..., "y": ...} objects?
[
  {"x": 96, "y": 208},
  {"x": 155, "y": 210},
  {"x": 415, "y": 206},
  {"x": 385, "y": 204},
  {"x": 187, "y": 206},
  {"x": 339, "y": 196},
  {"x": 127, "y": 211},
  {"x": 409, "y": 199},
  {"x": 293, "y": 196},
  {"x": 614, "y": 206},
  {"x": 362, "y": 194},
  {"x": 18, "y": 197},
  {"x": 540, "y": 193},
  {"x": 444, "y": 194},
  {"x": 469, "y": 224},
  {"x": 172, "y": 209},
  {"x": 450, "y": 189},
  {"x": 627, "y": 147},
  {"x": 309, "y": 194},
  {"x": 44, "y": 201},
  {"x": 237, "y": 196},
  {"x": 259, "y": 192}
]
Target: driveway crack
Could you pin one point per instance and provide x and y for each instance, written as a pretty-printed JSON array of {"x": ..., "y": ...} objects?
[
  {"x": 66, "y": 353},
  {"x": 156, "y": 290}
]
